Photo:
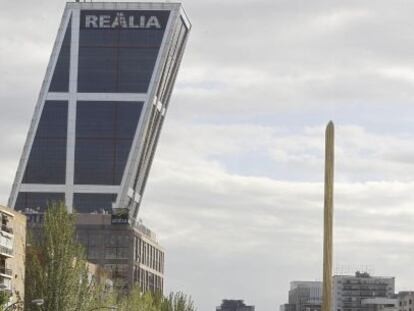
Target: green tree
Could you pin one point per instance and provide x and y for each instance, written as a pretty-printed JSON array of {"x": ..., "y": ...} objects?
[
  {"x": 4, "y": 299},
  {"x": 137, "y": 301},
  {"x": 55, "y": 269},
  {"x": 177, "y": 302}
]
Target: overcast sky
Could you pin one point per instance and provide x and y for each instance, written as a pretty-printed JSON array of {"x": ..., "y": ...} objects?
[{"x": 236, "y": 191}]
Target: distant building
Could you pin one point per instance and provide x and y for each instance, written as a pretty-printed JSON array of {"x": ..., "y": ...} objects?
[
  {"x": 234, "y": 305},
  {"x": 350, "y": 291},
  {"x": 304, "y": 296},
  {"x": 12, "y": 253},
  {"x": 405, "y": 301},
  {"x": 130, "y": 254}
]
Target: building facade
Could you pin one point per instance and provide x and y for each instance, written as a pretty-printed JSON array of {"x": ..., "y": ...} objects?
[
  {"x": 349, "y": 291},
  {"x": 405, "y": 301},
  {"x": 380, "y": 303},
  {"x": 101, "y": 107},
  {"x": 234, "y": 305},
  {"x": 12, "y": 253},
  {"x": 129, "y": 254},
  {"x": 306, "y": 295}
]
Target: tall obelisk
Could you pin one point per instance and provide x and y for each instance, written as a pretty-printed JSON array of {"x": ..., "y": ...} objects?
[{"x": 328, "y": 218}]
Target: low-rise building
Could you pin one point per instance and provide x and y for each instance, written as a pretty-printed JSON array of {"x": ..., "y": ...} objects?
[
  {"x": 405, "y": 301},
  {"x": 349, "y": 291},
  {"x": 12, "y": 253},
  {"x": 131, "y": 255},
  {"x": 304, "y": 296},
  {"x": 234, "y": 305}
]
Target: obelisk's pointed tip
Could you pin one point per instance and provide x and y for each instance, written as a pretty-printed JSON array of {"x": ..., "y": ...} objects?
[{"x": 330, "y": 126}]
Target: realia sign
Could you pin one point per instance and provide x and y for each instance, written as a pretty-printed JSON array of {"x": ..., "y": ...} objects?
[{"x": 123, "y": 19}]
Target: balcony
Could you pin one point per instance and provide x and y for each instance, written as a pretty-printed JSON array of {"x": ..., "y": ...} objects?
[
  {"x": 6, "y": 251},
  {"x": 6, "y": 271},
  {"x": 7, "y": 229}
]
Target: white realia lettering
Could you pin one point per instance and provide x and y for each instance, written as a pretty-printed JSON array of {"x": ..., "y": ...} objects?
[
  {"x": 153, "y": 22},
  {"x": 119, "y": 21},
  {"x": 104, "y": 21},
  {"x": 142, "y": 22},
  {"x": 122, "y": 20},
  {"x": 91, "y": 21},
  {"x": 131, "y": 22}
]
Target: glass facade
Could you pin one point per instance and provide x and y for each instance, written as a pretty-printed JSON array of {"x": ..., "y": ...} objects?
[
  {"x": 38, "y": 201},
  {"x": 104, "y": 134},
  {"x": 93, "y": 202},
  {"x": 164, "y": 90},
  {"x": 116, "y": 59},
  {"x": 111, "y": 74},
  {"x": 60, "y": 79},
  {"x": 47, "y": 160}
]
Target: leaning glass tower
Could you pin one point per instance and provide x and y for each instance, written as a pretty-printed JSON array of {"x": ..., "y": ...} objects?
[{"x": 101, "y": 107}]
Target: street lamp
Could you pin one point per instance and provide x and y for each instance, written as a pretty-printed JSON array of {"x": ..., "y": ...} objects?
[
  {"x": 104, "y": 307},
  {"x": 37, "y": 302}
]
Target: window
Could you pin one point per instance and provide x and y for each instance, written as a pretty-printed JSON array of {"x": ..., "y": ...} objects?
[
  {"x": 94, "y": 239},
  {"x": 118, "y": 59},
  {"x": 94, "y": 253},
  {"x": 110, "y": 253},
  {"x": 47, "y": 159},
  {"x": 104, "y": 134},
  {"x": 37, "y": 200},
  {"x": 60, "y": 79},
  {"x": 122, "y": 253},
  {"x": 93, "y": 202}
]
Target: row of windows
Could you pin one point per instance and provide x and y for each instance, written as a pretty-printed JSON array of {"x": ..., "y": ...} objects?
[
  {"x": 60, "y": 78},
  {"x": 111, "y": 60},
  {"x": 149, "y": 255},
  {"x": 172, "y": 63},
  {"x": 93, "y": 202},
  {"x": 122, "y": 70},
  {"x": 106, "y": 239},
  {"x": 37, "y": 200},
  {"x": 409, "y": 302},
  {"x": 82, "y": 202},
  {"x": 148, "y": 281},
  {"x": 47, "y": 159},
  {"x": 108, "y": 253},
  {"x": 104, "y": 134},
  {"x": 118, "y": 60}
]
